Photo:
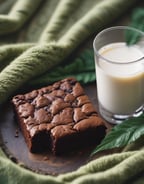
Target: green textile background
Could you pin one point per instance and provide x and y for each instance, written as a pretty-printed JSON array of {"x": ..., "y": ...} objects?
[{"x": 35, "y": 37}]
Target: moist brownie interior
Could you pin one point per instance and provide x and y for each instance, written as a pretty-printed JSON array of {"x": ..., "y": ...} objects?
[{"x": 59, "y": 117}]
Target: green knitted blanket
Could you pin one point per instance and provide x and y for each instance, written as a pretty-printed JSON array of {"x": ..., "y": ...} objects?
[{"x": 36, "y": 36}]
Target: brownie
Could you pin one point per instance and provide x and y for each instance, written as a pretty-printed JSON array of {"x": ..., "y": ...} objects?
[{"x": 59, "y": 117}]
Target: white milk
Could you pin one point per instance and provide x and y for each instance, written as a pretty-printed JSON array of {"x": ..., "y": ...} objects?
[{"x": 120, "y": 86}]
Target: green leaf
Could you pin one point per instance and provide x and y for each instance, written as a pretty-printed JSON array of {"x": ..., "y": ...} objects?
[
  {"x": 137, "y": 22},
  {"x": 82, "y": 68},
  {"x": 122, "y": 134}
]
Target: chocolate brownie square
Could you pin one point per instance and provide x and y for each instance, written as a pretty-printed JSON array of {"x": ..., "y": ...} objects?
[{"x": 59, "y": 117}]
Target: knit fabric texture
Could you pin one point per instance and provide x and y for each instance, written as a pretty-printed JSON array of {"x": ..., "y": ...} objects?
[{"x": 38, "y": 35}]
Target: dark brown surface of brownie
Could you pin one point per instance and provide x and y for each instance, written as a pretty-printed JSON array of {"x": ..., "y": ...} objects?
[{"x": 59, "y": 117}]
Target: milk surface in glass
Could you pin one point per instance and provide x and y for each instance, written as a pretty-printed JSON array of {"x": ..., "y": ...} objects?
[{"x": 120, "y": 83}]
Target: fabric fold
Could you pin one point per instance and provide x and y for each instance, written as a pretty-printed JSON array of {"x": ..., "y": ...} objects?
[
  {"x": 46, "y": 56},
  {"x": 29, "y": 60}
]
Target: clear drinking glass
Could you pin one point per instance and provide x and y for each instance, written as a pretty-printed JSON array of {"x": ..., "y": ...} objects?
[{"x": 119, "y": 73}]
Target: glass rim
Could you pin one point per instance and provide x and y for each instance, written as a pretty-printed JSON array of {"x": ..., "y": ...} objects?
[{"x": 114, "y": 28}]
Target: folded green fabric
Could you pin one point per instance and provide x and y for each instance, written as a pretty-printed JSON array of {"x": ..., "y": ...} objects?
[
  {"x": 82, "y": 68},
  {"x": 49, "y": 52},
  {"x": 18, "y": 15},
  {"x": 70, "y": 22},
  {"x": 113, "y": 169}
]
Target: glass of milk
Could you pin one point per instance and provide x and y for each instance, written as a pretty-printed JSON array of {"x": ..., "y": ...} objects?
[{"x": 119, "y": 73}]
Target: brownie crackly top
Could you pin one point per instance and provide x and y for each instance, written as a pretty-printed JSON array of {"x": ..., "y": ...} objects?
[{"x": 54, "y": 112}]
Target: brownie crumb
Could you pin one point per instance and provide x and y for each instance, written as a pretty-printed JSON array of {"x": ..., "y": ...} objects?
[
  {"x": 16, "y": 133},
  {"x": 14, "y": 159},
  {"x": 46, "y": 158}
]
